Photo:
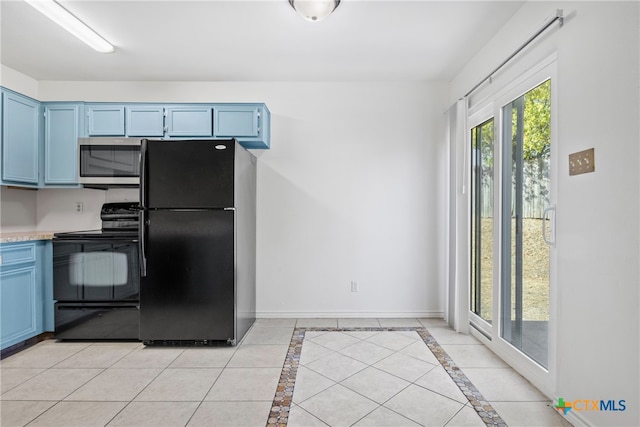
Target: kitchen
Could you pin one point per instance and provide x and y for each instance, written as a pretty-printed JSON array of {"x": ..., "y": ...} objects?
[{"x": 350, "y": 155}]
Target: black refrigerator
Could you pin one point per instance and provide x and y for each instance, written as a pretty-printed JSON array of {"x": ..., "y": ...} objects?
[{"x": 197, "y": 241}]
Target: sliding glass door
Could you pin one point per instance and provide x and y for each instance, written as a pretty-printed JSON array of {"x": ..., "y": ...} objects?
[
  {"x": 526, "y": 189},
  {"x": 482, "y": 170},
  {"x": 511, "y": 161}
]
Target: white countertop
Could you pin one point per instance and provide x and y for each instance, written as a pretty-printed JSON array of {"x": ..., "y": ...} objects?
[{"x": 24, "y": 236}]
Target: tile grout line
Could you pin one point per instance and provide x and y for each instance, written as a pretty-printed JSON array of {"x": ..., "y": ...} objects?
[
  {"x": 127, "y": 404},
  {"x": 281, "y": 406},
  {"x": 372, "y": 366},
  {"x": 226, "y": 365},
  {"x": 57, "y": 402}
]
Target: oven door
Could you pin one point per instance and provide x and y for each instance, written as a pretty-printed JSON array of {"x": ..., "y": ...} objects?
[{"x": 96, "y": 270}]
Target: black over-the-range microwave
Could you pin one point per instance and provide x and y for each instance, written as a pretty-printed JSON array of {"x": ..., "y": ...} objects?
[{"x": 109, "y": 161}]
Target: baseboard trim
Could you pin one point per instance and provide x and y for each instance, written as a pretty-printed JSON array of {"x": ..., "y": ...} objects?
[
  {"x": 348, "y": 315},
  {"x": 23, "y": 345}
]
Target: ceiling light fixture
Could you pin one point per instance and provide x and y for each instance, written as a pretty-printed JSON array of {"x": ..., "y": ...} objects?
[
  {"x": 314, "y": 10},
  {"x": 66, "y": 20}
]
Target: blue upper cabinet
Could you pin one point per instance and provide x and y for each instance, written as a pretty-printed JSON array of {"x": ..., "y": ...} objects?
[
  {"x": 38, "y": 145},
  {"x": 145, "y": 120},
  {"x": 20, "y": 139},
  {"x": 249, "y": 123},
  {"x": 105, "y": 120},
  {"x": 63, "y": 124},
  {"x": 189, "y": 121}
]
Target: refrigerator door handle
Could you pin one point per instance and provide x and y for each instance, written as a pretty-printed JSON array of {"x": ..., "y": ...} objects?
[
  {"x": 143, "y": 173},
  {"x": 142, "y": 253}
]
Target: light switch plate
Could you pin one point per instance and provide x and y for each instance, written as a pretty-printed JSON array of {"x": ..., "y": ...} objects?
[{"x": 582, "y": 162}]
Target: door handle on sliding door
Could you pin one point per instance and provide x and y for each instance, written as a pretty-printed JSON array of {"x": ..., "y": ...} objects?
[{"x": 551, "y": 241}]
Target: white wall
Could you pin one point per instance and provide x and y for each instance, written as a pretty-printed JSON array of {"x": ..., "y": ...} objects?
[
  {"x": 348, "y": 191},
  {"x": 18, "y": 82},
  {"x": 598, "y": 238},
  {"x": 56, "y": 208},
  {"x": 17, "y": 210}
]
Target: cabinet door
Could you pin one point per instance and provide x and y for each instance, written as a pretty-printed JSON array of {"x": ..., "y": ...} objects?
[
  {"x": 18, "y": 300},
  {"x": 20, "y": 139},
  {"x": 237, "y": 121},
  {"x": 105, "y": 120},
  {"x": 189, "y": 121},
  {"x": 145, "y": 121},
  {"x": 248, "y": 123},
  {"x": 61, "y": 133},
  {"x": 26, "y": 291}
]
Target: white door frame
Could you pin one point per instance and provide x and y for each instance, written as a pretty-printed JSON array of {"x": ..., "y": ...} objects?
[{"x": 490, "y": 334}]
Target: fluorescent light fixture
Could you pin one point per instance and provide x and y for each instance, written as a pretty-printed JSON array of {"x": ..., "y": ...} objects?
[
  {"x": 66, "y": 20},
  {"x": 314, "y": 10}
]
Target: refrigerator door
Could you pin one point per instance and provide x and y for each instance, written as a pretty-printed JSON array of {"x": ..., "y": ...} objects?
[
  {"x": 188, "y": 292},
  {"x": 187, "y": 174}
]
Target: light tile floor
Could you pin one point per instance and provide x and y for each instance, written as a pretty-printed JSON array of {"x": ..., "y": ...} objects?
[{"x": 360, "y": 378}]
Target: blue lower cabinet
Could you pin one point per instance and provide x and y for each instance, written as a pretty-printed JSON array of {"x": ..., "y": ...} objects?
[
  {"x": 26, "y": 292},
  {"x": 20, "y": 315}
]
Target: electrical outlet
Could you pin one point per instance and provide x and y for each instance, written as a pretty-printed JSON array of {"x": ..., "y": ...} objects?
[
  {"x": 79, "y": 207},
  {"x": 354, "y": 286},
  {"x": 582, "y": 162}
]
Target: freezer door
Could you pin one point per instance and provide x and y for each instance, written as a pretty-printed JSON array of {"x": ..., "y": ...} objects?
[
  {"x": 187, "y": 174},
  {"x": 188, "y": 292}
]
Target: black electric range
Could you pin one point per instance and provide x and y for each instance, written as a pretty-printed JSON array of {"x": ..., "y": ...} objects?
[{"x": 96, "y": 278}]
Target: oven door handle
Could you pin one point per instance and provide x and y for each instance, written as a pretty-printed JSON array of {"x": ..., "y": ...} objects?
[
  {"x": 143, "y": 243},
  {"x": 81, "y": 241},
  {"x": 90, "y": 306}
]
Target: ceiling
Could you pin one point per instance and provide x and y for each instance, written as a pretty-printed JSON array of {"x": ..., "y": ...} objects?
[{"x": 265, "y": 40}]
